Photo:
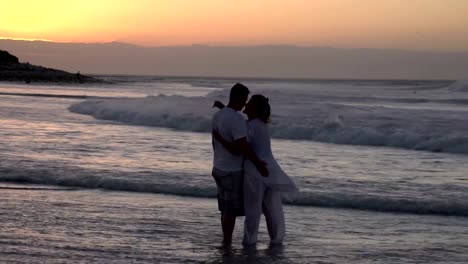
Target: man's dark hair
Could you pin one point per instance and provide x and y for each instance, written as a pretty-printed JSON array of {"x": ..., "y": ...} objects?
[{"x": 237, "y": 91}]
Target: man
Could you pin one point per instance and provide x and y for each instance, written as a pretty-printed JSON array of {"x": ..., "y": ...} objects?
[{"x": 228, "y": 165}]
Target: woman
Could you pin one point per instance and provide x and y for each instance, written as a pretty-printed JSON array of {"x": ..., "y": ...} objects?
[{"x": 261, "y": 194}]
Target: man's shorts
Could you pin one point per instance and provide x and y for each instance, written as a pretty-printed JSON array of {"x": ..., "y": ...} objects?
[{"x": 230, "y": 191}]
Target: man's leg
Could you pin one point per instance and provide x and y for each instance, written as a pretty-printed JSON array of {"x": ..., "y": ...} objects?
[
  {"x": 230, "y": 201},
  {"x": 228, "y": 222}
]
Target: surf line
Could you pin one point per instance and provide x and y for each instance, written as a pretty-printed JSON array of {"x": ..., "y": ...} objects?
[
  {"x": 38, "y": 188},
  {"x": 52, "y": 95}
]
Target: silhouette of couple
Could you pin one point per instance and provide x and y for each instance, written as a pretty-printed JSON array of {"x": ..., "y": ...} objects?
[{"x": 248, "y": 178}]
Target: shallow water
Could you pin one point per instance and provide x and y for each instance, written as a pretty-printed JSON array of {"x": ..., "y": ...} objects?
[
  {"x": 42, "y": 142},
  {"x": 89, "y": 226}
]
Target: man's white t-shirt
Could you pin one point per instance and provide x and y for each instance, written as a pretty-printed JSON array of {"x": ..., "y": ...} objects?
[{"x": 231, "y": 125}]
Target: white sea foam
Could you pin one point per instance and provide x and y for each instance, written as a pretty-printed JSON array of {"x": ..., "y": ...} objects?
[
  {"x": 360, "y": 201},
  {"x": 178, "y": 112},
  {"x": 306, "y": 115}
]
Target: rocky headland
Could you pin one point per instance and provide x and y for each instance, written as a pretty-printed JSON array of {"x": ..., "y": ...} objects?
[{"x": 12, "y": 70}]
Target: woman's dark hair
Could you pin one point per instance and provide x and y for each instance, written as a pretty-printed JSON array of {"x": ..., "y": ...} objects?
[{"x": 262, "y": 107}]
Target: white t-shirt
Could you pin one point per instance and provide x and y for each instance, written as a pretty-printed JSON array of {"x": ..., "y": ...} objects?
[{"x": 232, "y": 126}]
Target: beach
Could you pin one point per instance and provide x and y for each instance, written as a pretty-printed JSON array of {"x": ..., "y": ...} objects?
[{"x": 120, "y": 172}]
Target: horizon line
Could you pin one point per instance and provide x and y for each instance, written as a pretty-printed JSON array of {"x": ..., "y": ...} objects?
[
  {"x": 263, "y": 77},
  {"x": 227, "y": 45}
]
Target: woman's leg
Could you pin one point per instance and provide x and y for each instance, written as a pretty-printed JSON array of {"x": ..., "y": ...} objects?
[
  {"x": 274, "y": 216},
  {"x": 253, "y": 198}
]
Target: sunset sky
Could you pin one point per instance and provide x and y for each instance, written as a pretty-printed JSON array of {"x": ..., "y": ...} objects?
[{"x": 402, "y": 24}]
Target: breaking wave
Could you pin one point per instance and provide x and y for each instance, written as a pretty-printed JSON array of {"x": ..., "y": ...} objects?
[
  {"x": 305, "y": 198},
  {"x": 293, "y": 118},
  {"x": 459, "y": 86}
]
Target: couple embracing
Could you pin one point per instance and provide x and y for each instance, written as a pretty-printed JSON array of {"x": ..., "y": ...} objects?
[{"x": 249, "y": 180}]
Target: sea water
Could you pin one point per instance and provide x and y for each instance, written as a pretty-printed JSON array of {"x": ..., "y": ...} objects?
[{"x": 120, "y": 172}]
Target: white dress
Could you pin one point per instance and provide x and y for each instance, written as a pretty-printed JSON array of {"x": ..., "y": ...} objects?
[{"x": 263, "y": 194}]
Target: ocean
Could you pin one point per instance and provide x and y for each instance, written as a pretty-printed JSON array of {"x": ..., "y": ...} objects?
[{"x": 119, "y": 172}]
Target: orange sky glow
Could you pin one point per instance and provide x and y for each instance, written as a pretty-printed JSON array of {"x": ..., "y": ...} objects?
[{"x": 400, "y": 24}]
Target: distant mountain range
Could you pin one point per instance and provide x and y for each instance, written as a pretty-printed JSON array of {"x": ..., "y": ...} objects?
[{"x": 241, "y": 61}]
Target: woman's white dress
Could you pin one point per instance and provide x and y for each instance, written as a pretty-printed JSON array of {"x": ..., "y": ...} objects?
[{"x": 263, "y": 194}]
